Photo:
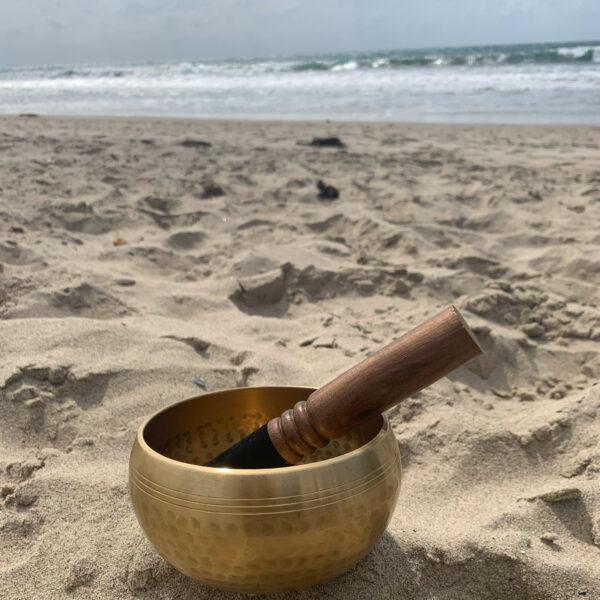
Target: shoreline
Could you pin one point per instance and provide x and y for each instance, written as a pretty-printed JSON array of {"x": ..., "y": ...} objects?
[{"x": 327, "y": 121}]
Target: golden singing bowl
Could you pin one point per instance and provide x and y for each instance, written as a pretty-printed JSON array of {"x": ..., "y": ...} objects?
[{"x": 259, "y": 530}]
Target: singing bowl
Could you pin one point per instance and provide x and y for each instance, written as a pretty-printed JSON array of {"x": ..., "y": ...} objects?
[{"x": 259, "y": 530}]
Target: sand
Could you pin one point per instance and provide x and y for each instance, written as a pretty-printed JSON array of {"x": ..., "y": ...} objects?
[{"x": 232, "y": 269}]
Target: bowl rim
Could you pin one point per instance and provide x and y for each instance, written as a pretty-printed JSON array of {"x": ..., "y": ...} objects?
[{"x": 272, "y": 472}]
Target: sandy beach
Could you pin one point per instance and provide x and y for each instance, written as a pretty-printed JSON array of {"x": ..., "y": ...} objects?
[{"x": 138, "y": 254}]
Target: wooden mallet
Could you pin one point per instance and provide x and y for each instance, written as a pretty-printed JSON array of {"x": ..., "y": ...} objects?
[{"x": 407, "y": 365}]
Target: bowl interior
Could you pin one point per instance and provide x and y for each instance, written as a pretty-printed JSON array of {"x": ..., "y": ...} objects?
[{"x": 195, "y": 431}]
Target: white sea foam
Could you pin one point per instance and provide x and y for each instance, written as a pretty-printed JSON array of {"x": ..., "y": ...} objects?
[
  {"x": 475, "y": 84},
  {"x": 581, "y": 52},
  {"x": 380, "y": 62},
  {"x": 351, "y": 65}
]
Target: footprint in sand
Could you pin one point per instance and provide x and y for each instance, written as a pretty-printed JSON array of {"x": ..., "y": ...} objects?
[
  {"x": 186, "y": 240},
  {"x": 165, "y": 205},
  {"x": 42, "y": 406},
  {"x": 81, "y": 218}
]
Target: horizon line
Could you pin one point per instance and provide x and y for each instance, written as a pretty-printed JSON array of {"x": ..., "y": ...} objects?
[{"x": 291, "y": 55}]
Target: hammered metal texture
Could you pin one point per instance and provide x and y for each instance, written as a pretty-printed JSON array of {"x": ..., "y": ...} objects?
[{"x": 259, "y": 531}]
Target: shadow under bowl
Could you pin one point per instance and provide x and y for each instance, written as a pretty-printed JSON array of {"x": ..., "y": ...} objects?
[{"x": 259, "y": 530}]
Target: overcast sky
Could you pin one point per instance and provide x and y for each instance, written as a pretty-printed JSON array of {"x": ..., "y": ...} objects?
[{"x": 64, "y": 31}]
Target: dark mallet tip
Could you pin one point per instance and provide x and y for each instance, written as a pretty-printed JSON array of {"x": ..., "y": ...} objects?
[{"x": 255, "y": 451}]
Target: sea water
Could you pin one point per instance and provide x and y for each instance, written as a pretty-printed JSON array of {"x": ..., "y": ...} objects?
[{"x": 532, "y": 83}]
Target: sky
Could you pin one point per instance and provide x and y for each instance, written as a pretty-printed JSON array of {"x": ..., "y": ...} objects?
[{"x": 34, "y": 32}]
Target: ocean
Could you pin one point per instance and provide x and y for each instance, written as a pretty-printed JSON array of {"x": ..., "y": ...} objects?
[{"x": 529, "y": 83}]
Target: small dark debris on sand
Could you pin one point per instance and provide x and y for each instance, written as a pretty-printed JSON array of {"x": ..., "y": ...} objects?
[
  {"x": 195, "y": 144},
  {"x": 327, "y": 192},
  {"x": 212, "y": 190},
  {"x": 329, "y": 142},
  {"x": 17, "y": 229},
  {"x": 28, "y": 115}
]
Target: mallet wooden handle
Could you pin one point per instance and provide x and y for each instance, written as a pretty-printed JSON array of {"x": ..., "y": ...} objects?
[{"x": 407, "y": 365}]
